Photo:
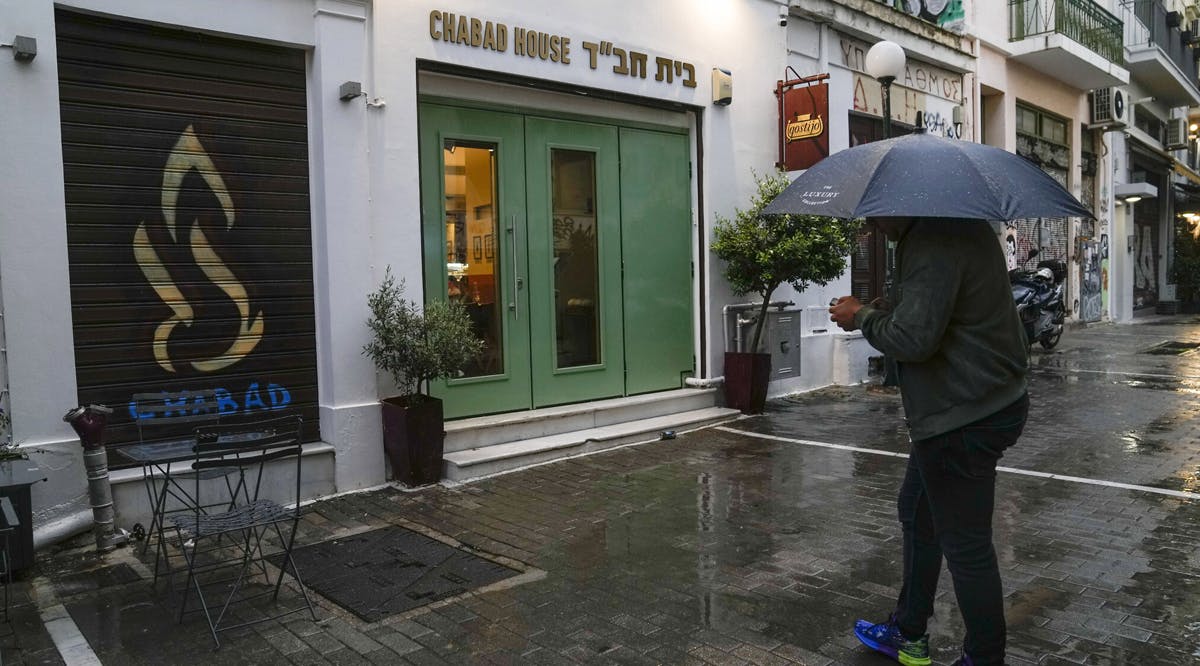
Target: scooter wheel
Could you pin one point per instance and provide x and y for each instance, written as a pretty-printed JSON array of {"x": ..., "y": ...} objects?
[{"x": 1050, "y": 341}]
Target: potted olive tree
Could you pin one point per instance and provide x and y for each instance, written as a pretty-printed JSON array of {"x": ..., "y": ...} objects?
[
  {"x": 415, "y": 346},
  {"x": 762, "y": 252}
]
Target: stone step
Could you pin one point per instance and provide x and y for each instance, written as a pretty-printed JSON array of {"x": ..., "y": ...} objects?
[
  {"x": 487, "y": 460},
  {"x": 483, "y": 431}
]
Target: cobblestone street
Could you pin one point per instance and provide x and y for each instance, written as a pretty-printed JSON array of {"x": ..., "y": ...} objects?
[{"x": 756, "y": 542}]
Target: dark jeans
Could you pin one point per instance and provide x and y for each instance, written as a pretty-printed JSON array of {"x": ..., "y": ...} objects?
[{"x": 946, "y": 509}]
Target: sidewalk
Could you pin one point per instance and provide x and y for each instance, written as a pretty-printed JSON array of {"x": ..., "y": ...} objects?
[{"x": 758, "y": 542}]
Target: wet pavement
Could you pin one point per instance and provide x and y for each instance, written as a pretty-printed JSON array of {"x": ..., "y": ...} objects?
[{"x": 752, "y": 543}]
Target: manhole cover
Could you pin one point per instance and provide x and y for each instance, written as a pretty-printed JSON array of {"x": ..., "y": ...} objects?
[
  {"x": 1172, "y": 348},
  {"x": 387, "y": 571}
]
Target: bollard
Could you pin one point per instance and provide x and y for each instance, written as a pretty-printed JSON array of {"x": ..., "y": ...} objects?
[{"x": 89, "y": 423}]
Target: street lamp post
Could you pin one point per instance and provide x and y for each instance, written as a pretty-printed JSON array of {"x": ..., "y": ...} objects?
[{"x": 885, "y": 63}]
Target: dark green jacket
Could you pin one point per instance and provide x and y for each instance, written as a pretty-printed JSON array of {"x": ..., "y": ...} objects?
[{"x": 953, "y": 330}]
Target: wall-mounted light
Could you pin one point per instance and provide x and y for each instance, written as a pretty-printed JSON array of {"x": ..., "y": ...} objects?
[
  {"x": 722, "y": 87},
  {"x": 349, "y": 90},
  {"x": 24, "y": 48},
  {"x": 353, "y": 89},
  {"x": 1134, "y": 192}
]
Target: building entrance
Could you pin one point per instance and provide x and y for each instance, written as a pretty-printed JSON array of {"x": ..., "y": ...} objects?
[{"x": 569, "y": 243}]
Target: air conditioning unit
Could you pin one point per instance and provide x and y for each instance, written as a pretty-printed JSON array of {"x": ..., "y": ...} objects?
[
  {"x": 1177, "y": 133},
  {"x": 1109, "y": 110}
]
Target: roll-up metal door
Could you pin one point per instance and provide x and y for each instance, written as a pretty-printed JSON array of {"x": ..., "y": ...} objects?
[{"x": 186, "y": 166}]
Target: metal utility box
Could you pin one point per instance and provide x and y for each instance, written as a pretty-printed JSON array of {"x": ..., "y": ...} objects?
[{"x": 782, "y": 341}]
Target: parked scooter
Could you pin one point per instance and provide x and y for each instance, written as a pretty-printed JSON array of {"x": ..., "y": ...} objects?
[{"x": 1038, "y": 295}]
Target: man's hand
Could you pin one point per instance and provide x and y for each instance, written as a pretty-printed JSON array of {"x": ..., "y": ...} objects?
[{"x": 842, "y": 311}]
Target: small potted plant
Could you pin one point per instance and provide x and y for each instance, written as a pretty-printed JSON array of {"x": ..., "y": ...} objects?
[
  {"x": 415, "y": 346},
  {"x": 762, "y": 252}
]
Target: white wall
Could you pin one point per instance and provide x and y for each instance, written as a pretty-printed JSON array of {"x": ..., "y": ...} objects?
[{"x": 33, "y": 254}]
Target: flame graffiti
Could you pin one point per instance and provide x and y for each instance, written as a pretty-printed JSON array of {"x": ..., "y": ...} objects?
[{"x": 186, "y": 155}]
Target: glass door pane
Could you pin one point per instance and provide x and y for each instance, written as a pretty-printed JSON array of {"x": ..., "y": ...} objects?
[
  {"x": 473, "y": 249},
  {"x": 576, "y": 278},
  {"x": 472, "y": 262}
]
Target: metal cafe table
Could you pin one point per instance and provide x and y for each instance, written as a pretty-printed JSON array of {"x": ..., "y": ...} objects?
[{"x": 166, "y": 465}]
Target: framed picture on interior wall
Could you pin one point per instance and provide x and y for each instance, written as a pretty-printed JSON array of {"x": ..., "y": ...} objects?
[
  {"x": 489, "y": 247},
  {"x": 477, "y": 247}
]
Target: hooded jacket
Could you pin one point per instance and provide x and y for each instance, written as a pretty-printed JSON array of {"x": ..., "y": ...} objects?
[{"x": 953, "y": 328}]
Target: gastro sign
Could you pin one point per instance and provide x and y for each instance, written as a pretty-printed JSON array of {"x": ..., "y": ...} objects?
[
  {"x": 804, "y": 127},
  {"x": 803, "y": 108}
]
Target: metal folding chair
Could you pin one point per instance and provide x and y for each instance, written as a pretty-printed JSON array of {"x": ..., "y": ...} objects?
[
  {"x": 260, "y": 453},
  {"x": 166, "y": 444}
]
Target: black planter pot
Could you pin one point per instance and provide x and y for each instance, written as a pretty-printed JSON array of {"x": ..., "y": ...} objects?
[
  {"x": 746, "y": 378},
  {"x": 413, "y": 438}
]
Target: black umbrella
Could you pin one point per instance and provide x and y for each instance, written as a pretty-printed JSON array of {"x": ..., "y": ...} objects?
[{"x": 921, "y": 175}]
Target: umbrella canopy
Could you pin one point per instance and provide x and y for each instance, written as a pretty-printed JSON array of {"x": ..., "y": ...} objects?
[{"x": 921, "y": 175}]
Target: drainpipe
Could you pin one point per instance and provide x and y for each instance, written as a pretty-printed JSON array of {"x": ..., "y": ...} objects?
[
  {"x": 704, "y": 382},
  {"x": 89, "y": 423}
]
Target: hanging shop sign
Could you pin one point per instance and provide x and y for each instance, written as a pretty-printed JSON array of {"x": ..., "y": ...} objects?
[
  {"x": 803, "y": 110},
  {"x": 525, "y": 42}
]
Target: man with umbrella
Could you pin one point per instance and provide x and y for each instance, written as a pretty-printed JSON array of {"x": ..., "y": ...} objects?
[
  {"x": 961, "y": 354},
  {"x": 962, "y": 358}
]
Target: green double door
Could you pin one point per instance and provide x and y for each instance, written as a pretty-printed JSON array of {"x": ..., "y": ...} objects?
[{"x": 568, "y": 243}]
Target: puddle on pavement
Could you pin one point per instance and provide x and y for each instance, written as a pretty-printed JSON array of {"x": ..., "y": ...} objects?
[
  {"x": 1172, "y": 348},
  {"x": 1133, "y": 442}
]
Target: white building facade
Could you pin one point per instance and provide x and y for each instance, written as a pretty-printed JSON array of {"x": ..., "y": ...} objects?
[{"x": 200, "y": 196}]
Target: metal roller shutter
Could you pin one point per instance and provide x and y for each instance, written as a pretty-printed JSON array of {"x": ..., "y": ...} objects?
[{"x": 186, "y": 166}]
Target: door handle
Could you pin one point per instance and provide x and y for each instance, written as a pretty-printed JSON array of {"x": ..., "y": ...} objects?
[{"x": 517, "y": 281}]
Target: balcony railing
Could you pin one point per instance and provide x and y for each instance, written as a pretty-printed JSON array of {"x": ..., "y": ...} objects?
[
  {"x": 1151, "y": 28},
  {"x": 1082, "y": 21}
]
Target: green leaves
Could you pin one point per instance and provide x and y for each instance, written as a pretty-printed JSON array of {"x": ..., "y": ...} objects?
[
  {"x": 762, "y": 252},
  {"x": 415, "y": 346}
]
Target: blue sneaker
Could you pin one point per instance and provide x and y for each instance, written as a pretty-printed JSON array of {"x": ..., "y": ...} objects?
[
  {"x": 964, "y": 660},
  {"x": 885, "y": 638}
]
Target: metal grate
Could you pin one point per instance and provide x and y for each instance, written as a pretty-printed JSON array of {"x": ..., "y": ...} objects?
[{"x": 391, "y": 570}]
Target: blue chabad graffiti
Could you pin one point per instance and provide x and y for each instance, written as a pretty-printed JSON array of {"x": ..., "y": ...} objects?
[{"x": 219, "y": 400}]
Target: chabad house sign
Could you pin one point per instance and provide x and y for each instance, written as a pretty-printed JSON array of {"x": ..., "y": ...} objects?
[{"x": 526, "y": 42}]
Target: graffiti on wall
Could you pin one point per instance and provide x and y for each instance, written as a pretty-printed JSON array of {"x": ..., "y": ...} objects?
[
  {"x": 947, "y": 14},
  {"x": 1145, "y": 272},
  {"x": 1091, "y": 303},
  {"x": 219, "y": 401},
  {"x": 1008, "y": 238},
  {"x": 1103, "y": 269}
]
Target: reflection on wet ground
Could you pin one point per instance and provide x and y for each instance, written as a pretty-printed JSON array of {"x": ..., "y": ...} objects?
[{"x": 719, "y": 547}]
